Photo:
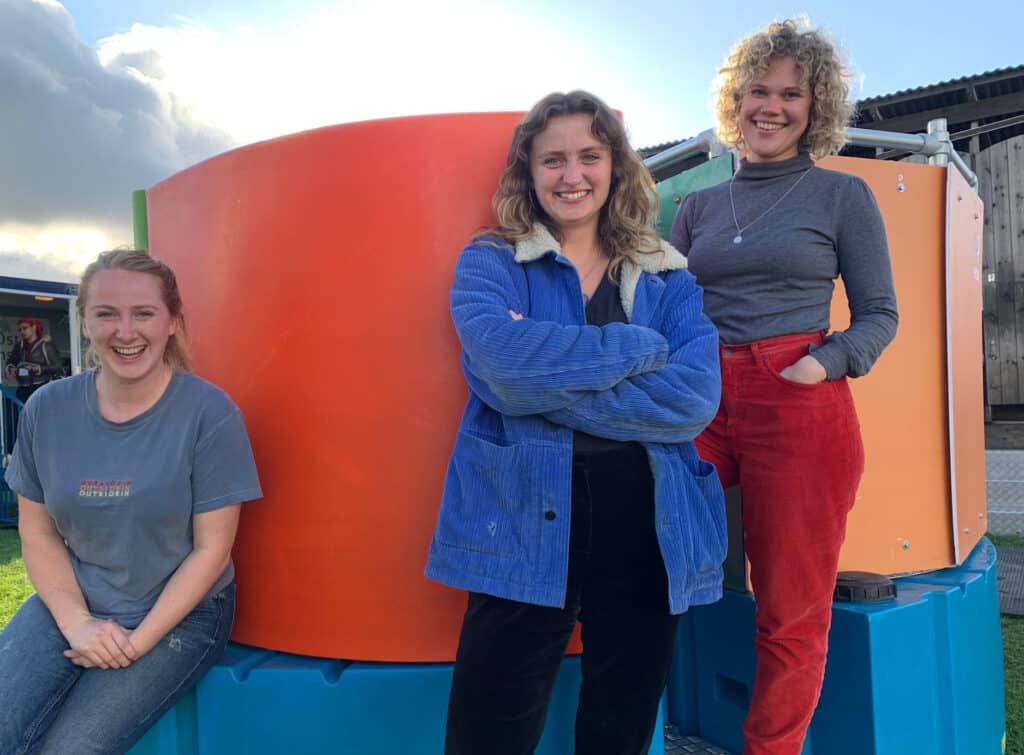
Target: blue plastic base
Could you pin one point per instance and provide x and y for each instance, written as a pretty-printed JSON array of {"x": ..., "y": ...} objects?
[
  {"x": 259, "y": 701},
  {"x": 919, "y": 674}
]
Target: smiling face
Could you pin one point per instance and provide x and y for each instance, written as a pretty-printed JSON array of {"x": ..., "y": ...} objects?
[
  {"x": 774, "y": 112},
  {"x": 128, "y": 324},
  {"x": 571, "y": 171}
]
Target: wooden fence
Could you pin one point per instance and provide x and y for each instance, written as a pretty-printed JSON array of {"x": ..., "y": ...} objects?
[{"x": 1000, "y": 170}]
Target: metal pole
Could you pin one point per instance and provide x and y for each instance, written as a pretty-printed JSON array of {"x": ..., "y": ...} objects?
[
  {"x": 936, "y": 145},
  {"x": 703, "y": 142},
  {"x": 937, "y": 128}
]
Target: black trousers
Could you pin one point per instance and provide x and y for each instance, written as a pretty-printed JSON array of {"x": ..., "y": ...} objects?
[{"x": 509, "y": 652}]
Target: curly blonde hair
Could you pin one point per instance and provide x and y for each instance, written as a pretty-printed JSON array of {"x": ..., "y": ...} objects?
[
  {"x": 818, "y": 62},
  {"x": 626, "y": 223}
]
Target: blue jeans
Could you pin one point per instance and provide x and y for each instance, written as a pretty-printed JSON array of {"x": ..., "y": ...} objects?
[{"x": 50, "y": 705}]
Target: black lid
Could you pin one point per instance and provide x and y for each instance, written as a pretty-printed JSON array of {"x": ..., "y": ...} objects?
[{"x": 863, "y": 587}]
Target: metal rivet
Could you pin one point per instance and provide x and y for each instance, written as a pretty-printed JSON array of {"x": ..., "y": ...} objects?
[
  {"x": 906, "y": 545},
  {"x": 901, "y": 188},
  {"x": 677, "y": 199}
]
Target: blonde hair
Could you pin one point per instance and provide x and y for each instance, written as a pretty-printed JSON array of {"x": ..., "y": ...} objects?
[
  {"x": 818, "y": 62},
  {"x": 626, "y": 223},
  {"x": 137, "y": 261}
]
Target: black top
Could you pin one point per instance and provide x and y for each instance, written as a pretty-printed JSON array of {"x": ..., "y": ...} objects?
[{"x": 604, "y": 307}]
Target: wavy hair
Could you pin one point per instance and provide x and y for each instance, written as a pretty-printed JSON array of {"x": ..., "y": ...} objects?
[
  {"x": 138, "y": 261},
  {"x": 822, "y": 69},
  {"x": 626, "y": 222}
]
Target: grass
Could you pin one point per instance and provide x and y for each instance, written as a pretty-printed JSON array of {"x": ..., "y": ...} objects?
[
  {"x": 14, "y": 585},
  {"x": 1013, "y": 664},
  {"x": 15, "y": 589},
  {"x": 1012, "y": 541}
]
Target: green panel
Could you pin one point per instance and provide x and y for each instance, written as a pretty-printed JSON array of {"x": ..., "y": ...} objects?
[
  {"x": 140, "y": 219},
  {"x": 673, "y": 190}
]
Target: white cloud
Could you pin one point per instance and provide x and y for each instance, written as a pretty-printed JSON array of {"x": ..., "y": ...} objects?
[
  {"x": 364, "y": 60},
  {"x": 84, "y": 126},
  {"x": 78, "y": 136},
  {"x": 64, "y": 250}
]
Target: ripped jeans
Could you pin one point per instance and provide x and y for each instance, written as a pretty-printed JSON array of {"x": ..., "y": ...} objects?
[{"x": 50, "y": 705}]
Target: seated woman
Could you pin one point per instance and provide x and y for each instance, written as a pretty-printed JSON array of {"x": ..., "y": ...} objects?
[
  {"x": 129, "y": 479},
  {"x": 574, "y": 490}
]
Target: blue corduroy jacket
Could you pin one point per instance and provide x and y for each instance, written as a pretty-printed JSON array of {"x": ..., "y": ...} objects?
[{"x": 503, "y": 528}]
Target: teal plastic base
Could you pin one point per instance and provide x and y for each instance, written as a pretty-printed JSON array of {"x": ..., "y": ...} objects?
[
  {"x": 919, "y": 674},
  {"x": 259, "y": 701}
]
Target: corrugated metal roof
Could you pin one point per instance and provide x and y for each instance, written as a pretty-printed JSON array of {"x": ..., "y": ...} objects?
[{"x": 1000, "y": 74}]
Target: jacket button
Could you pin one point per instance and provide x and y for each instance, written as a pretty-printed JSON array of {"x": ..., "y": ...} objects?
[{"x": 550, "y": 515}]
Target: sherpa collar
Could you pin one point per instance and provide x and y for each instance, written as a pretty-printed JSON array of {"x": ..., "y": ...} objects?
[{"x": 540, "y": 242}]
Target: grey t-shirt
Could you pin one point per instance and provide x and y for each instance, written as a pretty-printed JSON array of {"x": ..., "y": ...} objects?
[
  {"x": 123, "y": 494},
  {"x": 779, "y": 280}
]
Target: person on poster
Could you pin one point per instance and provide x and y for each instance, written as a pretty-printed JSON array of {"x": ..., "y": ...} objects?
[
  {"x": 574, "y": 491},
  {"x": 767, "y": 246},
  {"x": 129, "y": 478},
  {"x": 34, "y": 360}
]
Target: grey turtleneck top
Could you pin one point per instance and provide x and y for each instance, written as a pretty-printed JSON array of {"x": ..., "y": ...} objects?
[{"x": 779, "y": 279}]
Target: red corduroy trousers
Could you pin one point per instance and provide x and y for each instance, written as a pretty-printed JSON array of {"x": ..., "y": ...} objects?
[{"x": 796, "y": 452}]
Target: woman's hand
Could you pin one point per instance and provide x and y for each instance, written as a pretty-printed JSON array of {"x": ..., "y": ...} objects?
[
  {"x": 806, "y": 370},
  {"x": 101, "y": 644},
  {"x": 515, "y": 315}
]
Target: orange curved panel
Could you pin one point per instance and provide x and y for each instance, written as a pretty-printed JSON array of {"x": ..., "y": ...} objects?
[{"x": 315, "y": 270}]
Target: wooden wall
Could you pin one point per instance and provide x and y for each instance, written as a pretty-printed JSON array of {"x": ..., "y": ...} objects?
[{"x": 1000, "y": 170}]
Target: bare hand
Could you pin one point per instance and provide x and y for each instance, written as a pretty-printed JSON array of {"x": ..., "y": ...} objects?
[
  {"x": 806, "y": 370},
  {"x": 99, "y": 643},
  {"x": 515, "y": 315},
  {"x": 35, "y": 369}
]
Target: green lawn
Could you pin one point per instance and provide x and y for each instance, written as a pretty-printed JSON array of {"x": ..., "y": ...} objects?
[
  {"x": 15, "y": 588},
  {"x": 14, "y": 584},
  {"x": 1013, "y": 662}
]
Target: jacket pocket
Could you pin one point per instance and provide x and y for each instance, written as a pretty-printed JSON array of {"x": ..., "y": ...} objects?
[
  {"x": 485, "y": 497},
  {"x": 708, "y": 527}
]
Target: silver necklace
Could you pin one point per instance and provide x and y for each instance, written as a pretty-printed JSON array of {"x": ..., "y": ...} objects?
[{"x": 738, "y": 239}]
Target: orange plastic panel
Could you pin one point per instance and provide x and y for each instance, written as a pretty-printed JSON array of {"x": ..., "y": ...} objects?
[
  {"x": 902, "y": 519},
  {"x": 315, "y": 270},
  {"x": 966, "y": 398}
]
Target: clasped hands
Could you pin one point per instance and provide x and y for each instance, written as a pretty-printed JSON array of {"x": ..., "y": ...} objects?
[{"x": 102, "y": 643}]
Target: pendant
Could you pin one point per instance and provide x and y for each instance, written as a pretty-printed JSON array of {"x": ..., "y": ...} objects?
[{"x": 738, "y": 239}]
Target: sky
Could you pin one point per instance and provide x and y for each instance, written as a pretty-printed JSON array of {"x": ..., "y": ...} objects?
[{"x": 100, "y": 97}]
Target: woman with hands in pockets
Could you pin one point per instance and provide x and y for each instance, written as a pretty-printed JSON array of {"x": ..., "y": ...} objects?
[
  {"x": 129, "y": 479},
  {"x": 767, "y": 247},
  {"x": 574, "y": 490}
]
